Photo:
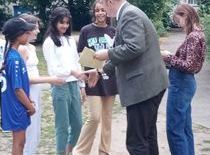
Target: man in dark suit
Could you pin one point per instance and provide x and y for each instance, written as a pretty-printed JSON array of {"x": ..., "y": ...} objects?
[{"x": 140, "y": 71}]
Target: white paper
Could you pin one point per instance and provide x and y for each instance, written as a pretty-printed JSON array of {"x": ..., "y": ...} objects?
[{"x": 109, "y": 40}]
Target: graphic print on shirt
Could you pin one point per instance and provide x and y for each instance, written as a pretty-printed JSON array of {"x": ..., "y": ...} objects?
[{"x": 99, "y": 43}]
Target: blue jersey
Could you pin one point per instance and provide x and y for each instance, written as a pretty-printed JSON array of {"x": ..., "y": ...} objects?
[{"x": 14, "y": 114}]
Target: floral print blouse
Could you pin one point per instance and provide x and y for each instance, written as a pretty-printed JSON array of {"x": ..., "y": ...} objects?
[{"x": 190, "y": 55}]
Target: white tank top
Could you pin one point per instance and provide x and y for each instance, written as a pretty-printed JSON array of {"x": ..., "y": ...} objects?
[{"x": 32, "y": 61}]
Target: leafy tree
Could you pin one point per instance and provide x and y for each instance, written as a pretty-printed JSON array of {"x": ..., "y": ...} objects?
[
  {"x": 154, "y": 10},
  {"x": 40, "y": 8},
  {"x": 80, "y": 10},
  {"x": 204, "y": 7},
  {"x": 3, "y": 12}
]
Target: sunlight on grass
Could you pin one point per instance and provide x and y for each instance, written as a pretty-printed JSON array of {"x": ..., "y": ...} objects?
[
  {"x": 42, "y": 63},
  {"x": 47, "y": 143}
]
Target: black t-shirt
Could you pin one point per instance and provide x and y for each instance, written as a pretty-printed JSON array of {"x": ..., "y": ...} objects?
[{"x": 92, "y": 37}]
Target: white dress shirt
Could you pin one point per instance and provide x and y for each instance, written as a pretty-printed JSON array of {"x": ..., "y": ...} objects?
[{"x": 118, "y": 12}]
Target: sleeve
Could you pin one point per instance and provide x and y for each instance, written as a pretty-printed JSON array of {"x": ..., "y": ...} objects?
[
  {"x": 82, "y": 40},
  {"x": 133, "y": 36},
  {"x": 15, "y": 73},
  {"x": 190, "y": 63},
  {"x": 109, "y": 68},
  {"x": 54, "y": 67},
  {"x": 81, "y": 84},
  {"x": 76, "y": 55}
]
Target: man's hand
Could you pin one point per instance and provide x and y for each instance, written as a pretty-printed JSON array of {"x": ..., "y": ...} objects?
[{"x": 101, "y": 55}]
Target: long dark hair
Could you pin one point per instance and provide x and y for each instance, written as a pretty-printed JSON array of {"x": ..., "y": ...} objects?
[{"x": 57, "y": 15}]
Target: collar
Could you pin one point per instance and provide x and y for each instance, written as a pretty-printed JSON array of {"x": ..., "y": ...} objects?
[{"x": 118, "y": 12}]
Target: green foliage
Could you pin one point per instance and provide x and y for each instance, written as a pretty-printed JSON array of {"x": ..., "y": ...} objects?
[
  {"x": 80, "y": 10},
  {"x": 39, "y": 8},
  {"x": 204, "y": 10},
  {"x": 204, "y": 7},
  {"x": 3, "y": 16},
  {"x": 167, "y": 12},
  {"x": 157, "y": 11},
  {"x": 206, "y": 24}
]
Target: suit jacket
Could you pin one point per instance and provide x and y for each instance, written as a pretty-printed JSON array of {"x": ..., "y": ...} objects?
[{"x": 140, "y": 71}]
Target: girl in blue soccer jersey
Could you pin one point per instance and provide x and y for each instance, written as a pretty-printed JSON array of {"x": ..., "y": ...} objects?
[{"x": 16, "y": 105}]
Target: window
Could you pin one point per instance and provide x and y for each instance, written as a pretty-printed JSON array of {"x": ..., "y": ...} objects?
[{"x": 192, "y": 2}]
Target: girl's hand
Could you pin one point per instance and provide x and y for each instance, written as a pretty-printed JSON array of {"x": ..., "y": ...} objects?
[
  {"x": 79, "y": 75},
  {"x": 93, "y": 77},
  {"x": 31, "y": 109},
  {"x": 57, "y": 81},
  {"x": 165, "y": 53}
]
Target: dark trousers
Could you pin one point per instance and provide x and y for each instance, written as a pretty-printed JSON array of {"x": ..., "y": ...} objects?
[{"x": 141, "y": 136}]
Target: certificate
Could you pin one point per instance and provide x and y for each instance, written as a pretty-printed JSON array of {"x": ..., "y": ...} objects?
[{"x": 87, "y": 59}]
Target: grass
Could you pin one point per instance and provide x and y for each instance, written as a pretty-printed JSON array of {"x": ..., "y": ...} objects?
[
  {"x": 47, "y": 142},
  {"x": 42, "y": 63}
]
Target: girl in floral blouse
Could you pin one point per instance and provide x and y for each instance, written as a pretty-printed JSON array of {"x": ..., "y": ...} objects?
[{"x": 187, "y": 61}]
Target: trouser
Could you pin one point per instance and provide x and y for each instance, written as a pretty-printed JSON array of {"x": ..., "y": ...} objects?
[
  {"x": 68, "y": 120},
  {"x": 141, "y": 138},
  {"x": 34, "y": 129},
  {"x": 179, "y": 123},
  {"x": 100, "y": 108}
]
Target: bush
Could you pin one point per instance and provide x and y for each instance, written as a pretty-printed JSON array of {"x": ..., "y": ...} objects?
[
  {"x": 161, "y": 30},
  {"x": 204, "y": 10},
  {"x": 3, "y": 16},
  {"x": 206, "y": 24},
  {"x": 157, "y": 11}
]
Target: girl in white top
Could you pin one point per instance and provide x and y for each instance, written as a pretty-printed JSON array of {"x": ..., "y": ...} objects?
[
  {"x": 62, "y": 58},
  {"x": 28, "y": 53}
]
